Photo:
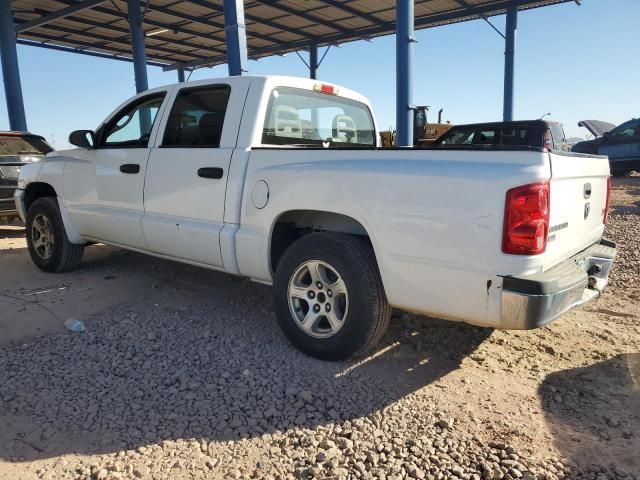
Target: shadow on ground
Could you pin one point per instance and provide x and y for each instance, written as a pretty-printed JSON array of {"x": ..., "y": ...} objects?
[
  {"x": 12, "y": 231},
  {"x": 198, "y": 354},
  {"x": 628, "y": 209},
  {"x": 594, "y": 412}
]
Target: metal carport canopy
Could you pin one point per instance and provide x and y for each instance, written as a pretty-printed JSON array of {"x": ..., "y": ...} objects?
[{"x": 190, "y": 33}]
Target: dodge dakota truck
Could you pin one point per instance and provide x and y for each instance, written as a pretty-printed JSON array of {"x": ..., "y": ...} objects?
[{"x": 282, "y": 180}]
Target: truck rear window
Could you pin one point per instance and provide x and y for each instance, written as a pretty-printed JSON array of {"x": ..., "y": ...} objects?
[{"x": 301, "y": 117}]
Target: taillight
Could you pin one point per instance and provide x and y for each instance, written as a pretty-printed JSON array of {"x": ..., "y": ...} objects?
[
  {"x": 547, "y": 140},
  {"x": 606, "y": 204},
  {"x": 324, "y": 88},
  {"x": 526, "y": 219}
]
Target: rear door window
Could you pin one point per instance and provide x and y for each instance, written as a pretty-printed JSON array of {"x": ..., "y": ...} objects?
[
  {"x": 197, "y": 117},
  {"x": 308, "y": 118}
]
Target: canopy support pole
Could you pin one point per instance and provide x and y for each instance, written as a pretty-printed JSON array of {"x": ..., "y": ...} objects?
[
  {"x": 313, "y": 61},
  {"x": 236, "y": 35},
  {"x": 509, "y": 61},
  {"x": 134, "y": 13},
  {"x": 404, "y": 72},
  {"x": 10, "y": 69}
]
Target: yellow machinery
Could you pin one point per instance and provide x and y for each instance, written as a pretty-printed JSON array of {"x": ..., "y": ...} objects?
[{"x": 424, "y": 133}]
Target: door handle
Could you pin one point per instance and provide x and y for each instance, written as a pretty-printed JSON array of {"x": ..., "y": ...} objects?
[
  {"x": 130, "y": 168},
  {"x": 210, "y": 172}
]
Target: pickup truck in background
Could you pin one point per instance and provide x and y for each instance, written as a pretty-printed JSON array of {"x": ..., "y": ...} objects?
[
  {"x": 522, "y": 133},
  {"x": 281, "y": 180}
]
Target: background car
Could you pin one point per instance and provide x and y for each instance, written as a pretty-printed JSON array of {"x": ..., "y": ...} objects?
[
  {"x": 528, "y": 133},
  {"x": 16, "y": 150},
  {"x": 621, "y": 144}
]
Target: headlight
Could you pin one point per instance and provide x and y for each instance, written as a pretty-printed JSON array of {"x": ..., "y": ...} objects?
[
  {"x": 10, "y": 172},
  {"x": 29, "y": 158}
]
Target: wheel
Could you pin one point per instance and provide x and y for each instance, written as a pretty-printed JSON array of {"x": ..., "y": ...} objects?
[
  {"x": 329, "y": 297},
  {"x": 621, "y": 172},
  {"x": 47, "y": 240}
]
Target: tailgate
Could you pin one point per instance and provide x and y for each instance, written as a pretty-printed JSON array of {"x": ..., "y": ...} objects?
[{"x": 578, "y": 199}]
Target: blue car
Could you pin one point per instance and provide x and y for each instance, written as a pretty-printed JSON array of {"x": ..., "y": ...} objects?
[{"x": 621, "y": 144}]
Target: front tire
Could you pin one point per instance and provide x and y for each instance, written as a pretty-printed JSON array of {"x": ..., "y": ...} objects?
[
  {"x": 621, "y": 172},
  {"x": 47, "y": 240},
  {"x": 329, "y": 297}
]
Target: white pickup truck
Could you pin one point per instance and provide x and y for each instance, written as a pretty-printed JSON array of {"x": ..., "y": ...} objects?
[{"x": 281, "y": 180}]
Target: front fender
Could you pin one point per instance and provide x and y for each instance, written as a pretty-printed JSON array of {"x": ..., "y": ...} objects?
[{"x": 49, "y": 171}]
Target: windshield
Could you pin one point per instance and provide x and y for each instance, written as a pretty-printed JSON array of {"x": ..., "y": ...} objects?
[
  {"x": 25, "y": 145},
  {"x": 300, "y": 117}
]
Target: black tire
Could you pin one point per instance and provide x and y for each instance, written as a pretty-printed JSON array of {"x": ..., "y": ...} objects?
[
  {"x": 63, "y": 255},
  {"x": 621, "y": 172},
  {"x": 367, "y": 317}
]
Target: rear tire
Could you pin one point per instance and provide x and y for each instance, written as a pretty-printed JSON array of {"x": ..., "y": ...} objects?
[
  {"x": 621, "y": 173},
  {"x": 317, "y": 321},
  {"x": 47, "y": 240}
]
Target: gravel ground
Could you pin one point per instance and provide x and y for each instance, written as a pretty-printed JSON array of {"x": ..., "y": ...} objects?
[{"x": 194, "y": 380}]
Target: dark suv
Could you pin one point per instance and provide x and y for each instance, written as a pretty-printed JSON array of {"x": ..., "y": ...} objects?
[
  {"x": 16, "y": 149},
  {"x": 525, "y": 133},
  {"x": 621, "y": 144}
]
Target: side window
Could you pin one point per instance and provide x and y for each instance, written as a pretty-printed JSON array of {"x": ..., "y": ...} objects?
[
  {"x": 484, "y": 137},
  {"x": 132, "y": 126},
  {"x": 557, "y": 132},
  {"x": 197, "y": 117},
  {"x": 628, "y": 129}
]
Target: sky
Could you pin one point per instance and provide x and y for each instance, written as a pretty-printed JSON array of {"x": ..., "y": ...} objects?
[{"x": 576, "y": 62}]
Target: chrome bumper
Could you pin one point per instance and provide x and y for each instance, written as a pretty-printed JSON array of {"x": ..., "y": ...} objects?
[
  {"x": 18, "y": 197},
  {"x": 534, "y": 301}
]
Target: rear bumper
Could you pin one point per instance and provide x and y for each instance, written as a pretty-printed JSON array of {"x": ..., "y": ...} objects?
[
  {"x": 7, "y": 206},
  {"x": 533, "y": 301}
]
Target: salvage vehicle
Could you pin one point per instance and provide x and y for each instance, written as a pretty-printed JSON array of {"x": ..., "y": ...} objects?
[
  {"x": 621, "y": 144},
  {"x": 16, "y": 150},
  {"x": 282, "y": 180},
  {"x": 523, "y": 133}
]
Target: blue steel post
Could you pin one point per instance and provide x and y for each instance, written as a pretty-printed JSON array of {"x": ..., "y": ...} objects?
[
  {"x": 313, "y": 70},
  {"x": 509, "y": 58},
  {"x": 137, "y": 45},
  {"x": 313, "y": 60},
  {"x": 10, "y": 70},
  {"x": 235, "y": 33},
  {"x": 181, "y": 74},
  {"x": 404, "y": 72}
]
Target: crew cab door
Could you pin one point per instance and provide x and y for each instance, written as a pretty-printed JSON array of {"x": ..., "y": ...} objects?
[
  {"x": 103, "y": 186},
  {"x": 186, "y": 179}
]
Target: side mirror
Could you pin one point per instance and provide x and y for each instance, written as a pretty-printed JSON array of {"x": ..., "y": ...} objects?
[
  {"x": 606, "y": 134},
  {"x": 82, "y": 138}
]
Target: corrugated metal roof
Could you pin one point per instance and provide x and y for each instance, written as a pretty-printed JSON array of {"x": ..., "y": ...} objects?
[{"x": 191, "y": 32}]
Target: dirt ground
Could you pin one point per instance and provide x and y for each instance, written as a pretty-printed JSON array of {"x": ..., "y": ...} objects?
[{"x": 182, "y": 373}]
